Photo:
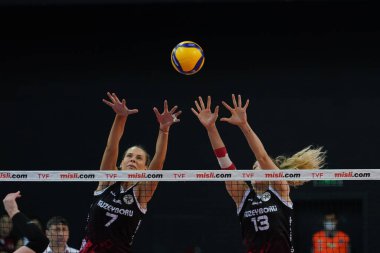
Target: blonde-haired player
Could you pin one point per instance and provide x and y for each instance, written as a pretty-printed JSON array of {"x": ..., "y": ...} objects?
[{"x": 264, "y": 208}]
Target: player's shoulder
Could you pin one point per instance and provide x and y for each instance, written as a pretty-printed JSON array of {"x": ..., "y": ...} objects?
[{"x": 107, "y": 189}]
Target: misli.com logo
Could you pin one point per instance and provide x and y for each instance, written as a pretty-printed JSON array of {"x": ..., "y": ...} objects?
[
  {"x": 351, "y": 174},
  {"x": 145, "y": 175},
  {"x": 76, "y": 176},
  {"x": 213, "y": 175},
  {"x": 282, "y": 175},
  {"x": 8, "y": 175}
]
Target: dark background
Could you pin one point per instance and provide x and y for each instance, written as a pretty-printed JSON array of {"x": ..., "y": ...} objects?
[{"x": 310, "y": 69}]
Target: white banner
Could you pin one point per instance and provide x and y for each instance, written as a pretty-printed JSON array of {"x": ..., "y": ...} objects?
[{"x": 190, "y": 175}]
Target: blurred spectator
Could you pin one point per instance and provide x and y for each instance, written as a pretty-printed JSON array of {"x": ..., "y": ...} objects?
[
  {"x": 24, "y": 240},
  {"x": 330, "y": 239},
  {"x": 7, "y": 241},
  {"x": 37, "y": 241},
  {"x": 57, "y": 230}
]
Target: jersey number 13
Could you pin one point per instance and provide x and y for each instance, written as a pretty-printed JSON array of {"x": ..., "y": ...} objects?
[{"x": 260, "y": 222}]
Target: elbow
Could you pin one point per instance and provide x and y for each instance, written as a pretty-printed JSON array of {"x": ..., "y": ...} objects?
[
  {"x": 264, "y": 158},
  {"x": 156, "y": 165},
  {"x": 266, "y": 163},
  {"x": 111, "y": 148}
]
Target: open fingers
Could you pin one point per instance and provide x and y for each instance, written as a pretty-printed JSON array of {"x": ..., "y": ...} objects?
[
  {"x": 225, "y": 119},
  {"x": 107, "y": 102},
  {"x": 133, "y": 111},
  {"x": 111, "y": 97},
  {"x": 116, "y": 98},
  {"x": 227, "y": 106},
  {"x": 239, "y": 100},
  {"x": 234, "y": 100},
  {"x": 177, "y": 113},
  {"x": 194, "y": 111},
  {"x": 166, "y": 106},
  {"x": 208, "y": 102},
  {"x": 173, "y": 109},
  {"x": 201, "y": 102},
  {"x": 156, "y": 112},
  {"x": 216, "y": 112},
  {"x": 175, "y": 119},
  {"x": 197, "y": 105},
  {"x": 246, "y": 104}
]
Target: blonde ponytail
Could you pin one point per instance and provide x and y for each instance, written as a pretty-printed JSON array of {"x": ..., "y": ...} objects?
[{"x": 306, "y": 159}]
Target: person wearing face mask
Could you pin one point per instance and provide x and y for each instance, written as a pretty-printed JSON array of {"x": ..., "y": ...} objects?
[
  {"x": 264, "y": 208},
  {"x": 330, "y": 239},
  {"x": 119, "y": 207}
]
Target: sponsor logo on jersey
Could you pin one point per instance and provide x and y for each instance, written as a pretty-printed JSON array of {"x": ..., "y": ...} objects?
[
  {"x": 260, "y": 211},
  {"x": 128, "y": 199},
  {"x": 117, "y": 201},
  {"x": 113, "y": 209},
  {"x": 266, "y": 196},
  {"x": 254, "y": 203}
]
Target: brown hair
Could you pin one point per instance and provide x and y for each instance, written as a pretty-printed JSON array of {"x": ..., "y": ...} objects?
[{"x": 147, "y": 156}]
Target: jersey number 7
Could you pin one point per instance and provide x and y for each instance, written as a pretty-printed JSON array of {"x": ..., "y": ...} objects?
[{"x": 113, "y": 218}]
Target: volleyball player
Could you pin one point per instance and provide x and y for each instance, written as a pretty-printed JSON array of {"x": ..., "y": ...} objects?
[
  {"x": 119, "y": 207},
  {"x": 37, "y": 241},
  {"x": 264, "y": 208}
]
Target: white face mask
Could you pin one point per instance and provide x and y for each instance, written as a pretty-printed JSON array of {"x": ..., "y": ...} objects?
[{"x": 329, "y": 226}]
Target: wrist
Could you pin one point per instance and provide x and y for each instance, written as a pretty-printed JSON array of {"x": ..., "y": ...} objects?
[
  {"x": 211, "y": 128},
  {"x": 121, "y": 116},
  {"x": 245, "y": 127},
  {"x": 12, "y": 213},
  {"x": 223, "y": 159},
  {"x": 164, "y": 131}
]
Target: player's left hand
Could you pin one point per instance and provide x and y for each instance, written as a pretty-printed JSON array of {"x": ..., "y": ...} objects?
[{"x": 167, "y": 118}]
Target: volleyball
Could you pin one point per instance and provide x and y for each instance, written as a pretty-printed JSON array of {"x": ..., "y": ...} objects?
[{"x": 187, "y": 57}]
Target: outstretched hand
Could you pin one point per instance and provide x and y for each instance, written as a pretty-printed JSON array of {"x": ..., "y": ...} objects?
[
  {"x": 10, "y": 203},
  {"x": 238, "y": 112},
  {"x": 204, "y": 114},
  {"x": 167, "y": 118},
  {"x": 118, "y": 107}
]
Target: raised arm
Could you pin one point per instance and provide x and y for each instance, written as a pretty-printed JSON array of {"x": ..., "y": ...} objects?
[
  {"x": 111, "y": 151},
  {"x": 38, "y": 242},
  {"x": 239, "y": 118},
  {"x": 165, "y": 120},
  {"x": 208, "y": 118}
]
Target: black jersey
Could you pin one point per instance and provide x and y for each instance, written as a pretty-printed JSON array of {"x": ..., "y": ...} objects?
[
  {"x": 266, "y": 223},
  {"x": 114, "y": 218}
]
